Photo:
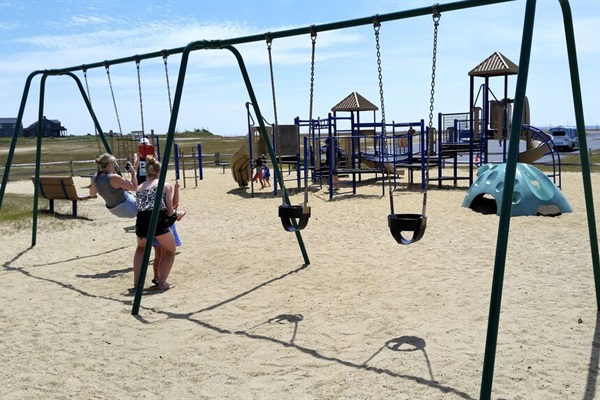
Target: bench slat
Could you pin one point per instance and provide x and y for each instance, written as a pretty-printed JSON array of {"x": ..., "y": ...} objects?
[
  {"x": 55, "y": 180},
  {"x": 58, "y": 192},
  {"x": 59, "y": 188}
]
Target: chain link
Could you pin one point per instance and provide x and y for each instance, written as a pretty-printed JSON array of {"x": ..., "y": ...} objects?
[
  {"x": 87, "y": 88},
  {"x": 313, "y": 38},
  {"x": 113, "y": 98},
  {"x": 436, "y": 22},
  {"x": 168, "y": 84},
  {"x": 89, "y": 96},
  {"x": 276, "y": 120},
  {"x": 137, "y": 65},
  {"x": 376, "y": 28},
  {"x": 269, "y": 45}
]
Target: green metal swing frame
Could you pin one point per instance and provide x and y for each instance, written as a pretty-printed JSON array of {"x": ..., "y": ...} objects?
[{"x": 504, "y": 220}]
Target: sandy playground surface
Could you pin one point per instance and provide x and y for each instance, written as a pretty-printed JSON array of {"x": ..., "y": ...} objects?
[{"x": 367, "y": 319}]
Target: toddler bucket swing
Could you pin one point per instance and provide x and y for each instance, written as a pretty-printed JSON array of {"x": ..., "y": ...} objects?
[
  {"x": 293, "y": 217},
  {"x": 409, "y": 228}
]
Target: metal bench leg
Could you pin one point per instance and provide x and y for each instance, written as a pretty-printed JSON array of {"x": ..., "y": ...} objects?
[
  {"x": 74, "y": 208},
  {"x": 51, "y": 205}
]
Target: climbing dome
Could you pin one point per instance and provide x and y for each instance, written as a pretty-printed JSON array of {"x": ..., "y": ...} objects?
[{"x": 534, "y": 193}]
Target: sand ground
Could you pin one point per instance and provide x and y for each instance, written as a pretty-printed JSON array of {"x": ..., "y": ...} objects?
[{"x": 367, "y": 319}]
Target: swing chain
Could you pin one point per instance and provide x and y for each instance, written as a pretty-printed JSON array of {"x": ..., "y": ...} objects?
[
  {"x": 269, "y": 41},
  {"x": 376, "y": 28},
  {"x": 164, "y": 56},
  {"x": 89, "y": 96},
  {"x": 313, "y": 38},
  {"x": 269, "y": 44},
  {"x": 87, "y": 88},
  {"x": 137, "y": 65},
  {"x": 106, "y": 65},
  {"x": 436, "y": 23}
]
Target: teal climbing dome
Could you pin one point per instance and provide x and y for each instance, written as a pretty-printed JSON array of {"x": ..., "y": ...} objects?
[{"x": 534, "y": 193}]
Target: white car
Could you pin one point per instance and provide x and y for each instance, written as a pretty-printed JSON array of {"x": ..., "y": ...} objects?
[{"x": 565, "y": 138}]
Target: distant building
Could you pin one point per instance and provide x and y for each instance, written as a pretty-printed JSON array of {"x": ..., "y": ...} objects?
[
  {"x": 7, "y": 127},
  {"x": 50, "y": 128}
]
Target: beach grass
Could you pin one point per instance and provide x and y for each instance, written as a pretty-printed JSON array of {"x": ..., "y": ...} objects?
[{"x": 16, "y": 210}]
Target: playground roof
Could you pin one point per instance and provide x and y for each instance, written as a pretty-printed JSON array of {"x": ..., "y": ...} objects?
[
  {"x": 495, "y": 65},
  {"x": 354, "y": 102}
]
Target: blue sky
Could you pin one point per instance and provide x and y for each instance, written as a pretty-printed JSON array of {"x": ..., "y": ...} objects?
[{"x": 49, "y": 34}]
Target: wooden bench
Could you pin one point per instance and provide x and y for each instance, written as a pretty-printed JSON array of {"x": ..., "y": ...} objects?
[{"x": 59, "y": 188}]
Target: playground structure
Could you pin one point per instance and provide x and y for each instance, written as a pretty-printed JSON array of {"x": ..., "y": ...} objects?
[
  {"x": 397, "y": 149},
  {"x": 400, "y": 149},
  {"x": 367, "y": 147},
  {"x": 284, "y": 140},
  {"x": 512, "y": 151}
]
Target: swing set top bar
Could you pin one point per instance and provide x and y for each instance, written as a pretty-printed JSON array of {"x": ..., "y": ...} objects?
[{"x": 215, "y": 44}]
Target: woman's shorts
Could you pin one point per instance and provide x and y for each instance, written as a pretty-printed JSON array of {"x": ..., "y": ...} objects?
[
  {"x": 142, "y": 224},
  {"x": 126, "y": 209},
  {"x": 175, "y": 234}
]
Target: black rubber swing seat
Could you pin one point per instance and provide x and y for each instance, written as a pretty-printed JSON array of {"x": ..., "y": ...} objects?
[
  {"x": 289, "y": 213},
  {"x": 399, "y": 223}
]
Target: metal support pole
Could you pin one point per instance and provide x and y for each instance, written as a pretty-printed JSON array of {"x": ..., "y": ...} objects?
[
  {"x": 583, "y": 145},
  {"x": 506, "y": 205},
  {"x": 200, "y": 166}
]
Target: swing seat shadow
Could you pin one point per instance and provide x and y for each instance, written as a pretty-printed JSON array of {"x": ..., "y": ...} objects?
[{"x": 406, "y": 343}]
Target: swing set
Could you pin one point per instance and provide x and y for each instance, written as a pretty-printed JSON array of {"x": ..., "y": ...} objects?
[{"x": 295, "y": 218}]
